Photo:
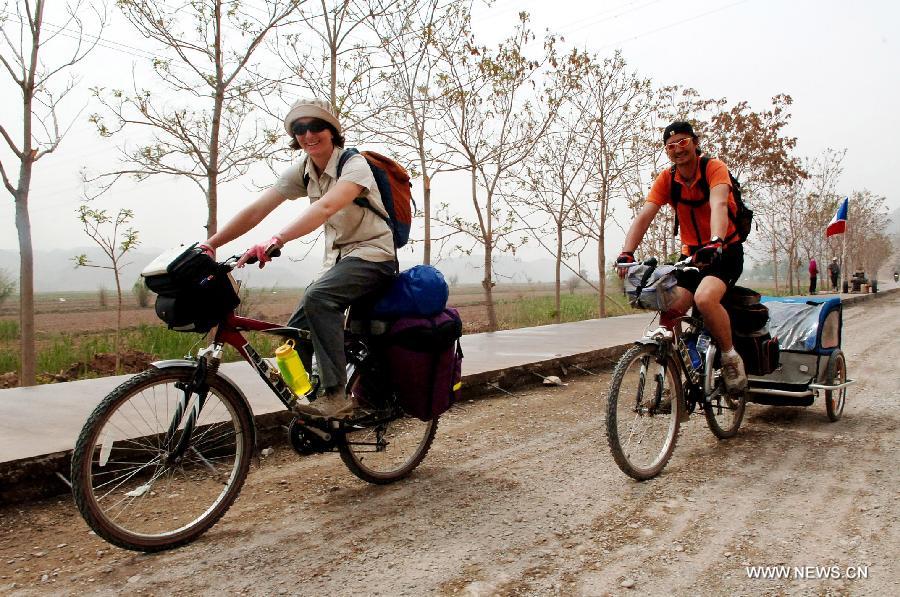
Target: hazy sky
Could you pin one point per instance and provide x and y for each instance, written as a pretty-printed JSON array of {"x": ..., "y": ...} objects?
[{"x": 840, "y": 62}]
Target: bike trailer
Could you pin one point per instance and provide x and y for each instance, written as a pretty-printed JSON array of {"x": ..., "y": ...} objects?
[
  {"x": 193, "y": 292},
  {"x": 809, "y": 337},
  {"x": 424, "y": 360}
]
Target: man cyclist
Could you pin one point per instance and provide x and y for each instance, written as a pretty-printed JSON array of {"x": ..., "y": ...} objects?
[{"x": 707, "y": 233}]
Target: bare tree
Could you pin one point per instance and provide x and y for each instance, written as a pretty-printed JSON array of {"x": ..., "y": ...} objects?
[
  {"x": 207, "y": 49},
  {"x": 646, "y": 161},
  {"x": 868, "y": 245},
  {"x": 334, "y": 56},
  {"x": 27, "y": 38},
  {"x": 412, "y": 37},
  {"x": 104, "y": 230},
  {"x": 554, "y": 177},
  {"x": 494, "y": 114},
  {"x": 619, "y": 99}
]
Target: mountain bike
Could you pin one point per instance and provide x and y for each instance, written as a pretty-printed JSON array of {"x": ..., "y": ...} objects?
[
  {"x": 165, "y": 454},
  {"x": 661, "y": 380}
]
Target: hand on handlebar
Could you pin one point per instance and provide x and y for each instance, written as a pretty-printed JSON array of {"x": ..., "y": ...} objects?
[
  {"x": 624, "y": 258},
  {"x": 208, "y": 250},
  {"x": 262, "y": 252},
  {"x": 708, "y": 254}
]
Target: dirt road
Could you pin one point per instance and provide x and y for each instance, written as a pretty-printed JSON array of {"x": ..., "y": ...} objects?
[{"x": 520, "y": 496}]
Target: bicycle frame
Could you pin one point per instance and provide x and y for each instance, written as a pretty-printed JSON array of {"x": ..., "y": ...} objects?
[
  {"x": 229, "y": 332},
  {"x": 698, "y": 383}
]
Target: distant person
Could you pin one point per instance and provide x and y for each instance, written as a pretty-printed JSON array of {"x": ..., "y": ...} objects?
[
  {"x": 813, "y": 275},
  {"x": 706, "y": 208},
  {"x": 834, "y": 270}
]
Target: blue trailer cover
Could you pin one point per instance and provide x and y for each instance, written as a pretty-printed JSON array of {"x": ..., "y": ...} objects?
[{"x": 797, "y": 322}]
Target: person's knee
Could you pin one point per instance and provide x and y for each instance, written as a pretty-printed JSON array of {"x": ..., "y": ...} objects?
[
  {"x": 707, "y": 301},
  {"x": 316, "y": 301}
]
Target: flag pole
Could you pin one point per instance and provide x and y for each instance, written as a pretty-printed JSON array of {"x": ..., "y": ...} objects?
[{"x": 844, "y": 279}]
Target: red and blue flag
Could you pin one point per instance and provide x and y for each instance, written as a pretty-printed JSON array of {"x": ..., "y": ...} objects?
[{"x": 838, "y": 224}]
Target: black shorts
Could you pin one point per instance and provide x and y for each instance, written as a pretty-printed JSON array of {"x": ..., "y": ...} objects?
[{"x": 728, "y": 269}]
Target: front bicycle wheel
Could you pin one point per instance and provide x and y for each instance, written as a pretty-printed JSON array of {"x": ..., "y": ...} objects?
[
  {"x": 141, "y": 480},
  {"x": 643, "y": 411},
  {"x": 389, "y": 450},
  {"x": 724, "y": 414}
]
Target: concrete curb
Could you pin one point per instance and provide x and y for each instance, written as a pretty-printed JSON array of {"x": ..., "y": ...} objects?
[{"x": 47, "y": 475}]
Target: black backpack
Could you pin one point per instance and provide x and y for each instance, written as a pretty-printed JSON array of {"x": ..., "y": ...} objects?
[{"x": 743, "y": 219}]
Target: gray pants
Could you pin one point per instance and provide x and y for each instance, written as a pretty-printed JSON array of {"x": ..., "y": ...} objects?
[{"x": 322, "y": 308}]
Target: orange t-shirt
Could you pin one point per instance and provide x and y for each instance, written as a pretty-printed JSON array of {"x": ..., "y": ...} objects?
[{"x": 692, "y": 220}]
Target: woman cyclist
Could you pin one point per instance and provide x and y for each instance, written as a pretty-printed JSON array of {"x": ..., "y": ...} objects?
[{"x": 360, "y": 259}]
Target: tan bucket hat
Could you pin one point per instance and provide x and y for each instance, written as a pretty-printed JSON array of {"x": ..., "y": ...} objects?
[{"x": 311, "y": 108}]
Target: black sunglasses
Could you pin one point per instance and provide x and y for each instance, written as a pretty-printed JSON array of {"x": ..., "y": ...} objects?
[{"x": 313, "y": 126}]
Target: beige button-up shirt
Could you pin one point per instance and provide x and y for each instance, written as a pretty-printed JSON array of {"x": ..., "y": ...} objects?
[{"x": 354, "y": 231}]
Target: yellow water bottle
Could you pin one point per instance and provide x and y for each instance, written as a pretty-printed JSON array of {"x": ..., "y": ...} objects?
[{"x": 292, "y": 370}]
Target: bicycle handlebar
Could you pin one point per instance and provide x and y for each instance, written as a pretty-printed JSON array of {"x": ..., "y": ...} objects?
[
  {"x": 272, "y": 251},
  {"x": 652, "y": 263}
]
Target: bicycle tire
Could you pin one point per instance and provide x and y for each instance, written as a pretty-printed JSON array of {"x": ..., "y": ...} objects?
[
  {"x": 666, "y": 421},
  {"x": 735, "y": 407},
  {"x": 837, "y": 373},
  {"x": 367, "y": 452},
  {"x": 97, "y": 455}
]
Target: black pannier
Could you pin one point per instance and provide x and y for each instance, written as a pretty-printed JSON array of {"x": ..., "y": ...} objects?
[
  {"x": 759, "y": 350},
  {"x": 746, "y": 312},
  {"x": 193, "y": 292}
]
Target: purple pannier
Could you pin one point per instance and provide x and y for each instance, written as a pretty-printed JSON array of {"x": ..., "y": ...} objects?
[{"x": 425, "y": 362}]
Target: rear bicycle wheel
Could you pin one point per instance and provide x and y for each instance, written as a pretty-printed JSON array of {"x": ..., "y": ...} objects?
[
  {"x": 387, "y": 451},
  {"x": 724, "y": 414},
  {"x": 128, "y": 489},
  {"x": 643, "y": 411}
]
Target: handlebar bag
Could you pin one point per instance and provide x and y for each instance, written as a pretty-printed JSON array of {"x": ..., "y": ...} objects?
[
  {"x": 424, "y": 360},
  {"x": 658, "y": 290},
  {"x": 193, "y": 292}
]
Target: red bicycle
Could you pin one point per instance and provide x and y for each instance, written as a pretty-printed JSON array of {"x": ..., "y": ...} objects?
[{"x": 165, "y": 454}]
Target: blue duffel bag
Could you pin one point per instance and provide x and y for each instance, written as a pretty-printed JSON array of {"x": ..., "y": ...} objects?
[{"x": 420, "y": 290}]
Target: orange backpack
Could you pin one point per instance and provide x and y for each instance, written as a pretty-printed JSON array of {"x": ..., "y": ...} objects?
[{"x": 395, "y": 188}]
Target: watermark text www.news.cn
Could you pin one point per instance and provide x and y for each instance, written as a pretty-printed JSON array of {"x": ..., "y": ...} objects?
[{"x": 808, "y": 572}]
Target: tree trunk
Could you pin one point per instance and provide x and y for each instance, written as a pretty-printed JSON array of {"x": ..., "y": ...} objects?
[
  {"x": 559, "y": 249},
  {"x": 212, "y": 169},
  {"x": 601, "y": 257},
  {"x": 118, "y": 343},
  {"x": 426, "y": 214},
  {"x": 27, "y": 368},
  {"x": 488, "y": 285},
  {"x": 775, "y": 264}
]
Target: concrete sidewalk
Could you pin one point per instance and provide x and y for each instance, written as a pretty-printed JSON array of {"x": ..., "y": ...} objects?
[
  {"x": 47, "y": 418},
  {"x": 39, "y": 425}
]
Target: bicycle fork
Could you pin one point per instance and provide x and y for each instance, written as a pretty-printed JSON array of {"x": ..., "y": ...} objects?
[
  {"x": 199, "y": 386},
  {"x": 659, "y": 377}
]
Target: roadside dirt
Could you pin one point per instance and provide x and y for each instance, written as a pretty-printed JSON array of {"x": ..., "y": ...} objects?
[{"x": 519, "y": 496}]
